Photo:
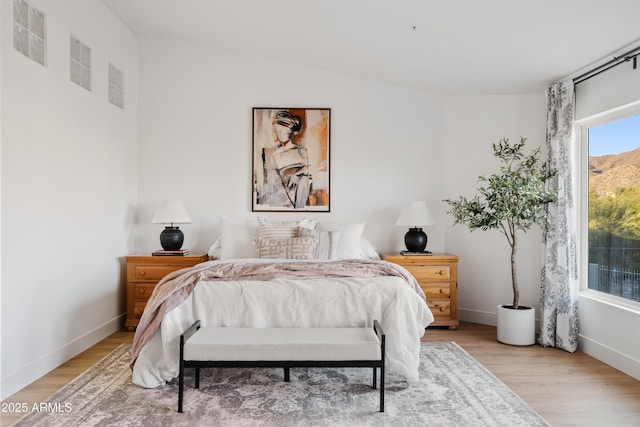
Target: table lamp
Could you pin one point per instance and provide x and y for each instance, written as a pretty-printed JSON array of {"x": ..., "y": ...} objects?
[
  {"x": 171, "y": 211},
  {"x": 415, "y": 215}
]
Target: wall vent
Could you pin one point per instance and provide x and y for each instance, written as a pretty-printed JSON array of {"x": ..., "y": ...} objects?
[
  {"x": 116, "y": 86},
  {"x": 29, "y": 31},
  {"x": 80, "y": 63}
]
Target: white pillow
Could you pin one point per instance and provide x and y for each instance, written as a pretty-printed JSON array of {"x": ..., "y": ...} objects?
[
  {"x": 368, "y": 251},
  {"x": 214, "y": 250},
  {"x": 328, "y": 244},
  {"x": 350, "y": 239},
  {"x": 236, "y": 240}
]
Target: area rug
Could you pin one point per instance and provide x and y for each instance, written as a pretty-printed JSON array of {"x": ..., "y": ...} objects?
[{"x": 453, "y": 390}]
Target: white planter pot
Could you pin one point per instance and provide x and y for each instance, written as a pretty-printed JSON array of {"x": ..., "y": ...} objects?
[{"x": 516, "y": 327}]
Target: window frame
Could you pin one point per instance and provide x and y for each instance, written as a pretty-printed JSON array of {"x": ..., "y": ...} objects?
[{"x": 581, "y": 131}]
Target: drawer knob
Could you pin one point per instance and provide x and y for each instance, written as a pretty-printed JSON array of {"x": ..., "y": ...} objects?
[
  {"x": 443, "y": 291},
  {"x": 142, "y": 273},
  {"x": 441, "y": 272},
  {"x": 442, "y": 309}
]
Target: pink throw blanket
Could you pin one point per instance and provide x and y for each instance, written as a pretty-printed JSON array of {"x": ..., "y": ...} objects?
[{"x": 176, "y": 287}]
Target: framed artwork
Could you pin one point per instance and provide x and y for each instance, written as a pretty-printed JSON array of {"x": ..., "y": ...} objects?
[{"x": 291, "y": 152}]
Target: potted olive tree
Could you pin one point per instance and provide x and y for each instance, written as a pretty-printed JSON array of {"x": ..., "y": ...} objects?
[{"x": 510, "y": 200}]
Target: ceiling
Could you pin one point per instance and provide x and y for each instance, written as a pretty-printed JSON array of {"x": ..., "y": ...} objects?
[{"x": 442, "y": 46}]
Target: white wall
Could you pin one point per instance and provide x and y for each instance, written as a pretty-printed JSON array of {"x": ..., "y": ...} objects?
[
  {"x": 472, "y": 124},
  {"x": 387, "y": 142},
  {"x": 68, "y": 191},
  {"x": 609, "y": 332}
]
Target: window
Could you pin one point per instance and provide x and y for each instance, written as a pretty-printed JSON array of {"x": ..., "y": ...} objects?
[{"x": 612, "y": 228}]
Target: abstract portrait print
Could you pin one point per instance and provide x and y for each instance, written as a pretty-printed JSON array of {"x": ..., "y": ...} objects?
[{"x": 291, "y": 159}]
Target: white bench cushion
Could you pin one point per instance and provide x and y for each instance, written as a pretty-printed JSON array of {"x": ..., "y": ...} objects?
[{"x": 241, "y": 344}]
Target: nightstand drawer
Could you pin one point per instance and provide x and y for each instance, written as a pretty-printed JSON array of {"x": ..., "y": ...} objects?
[
  {"x": 138, "y": 309},
  {"x": 436, "y": 291},
  {"x": 440, "y": 308},
  {"x": 151, "y": 273},
  {"x": 142, "y": 292},
  {"x": 425, "y": 273}
]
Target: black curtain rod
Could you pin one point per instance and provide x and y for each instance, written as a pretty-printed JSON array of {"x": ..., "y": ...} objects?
[{"x": 617, "y": 60}]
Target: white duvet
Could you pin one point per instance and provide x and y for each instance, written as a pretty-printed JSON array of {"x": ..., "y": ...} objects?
[{"x": 283, "y": 302}]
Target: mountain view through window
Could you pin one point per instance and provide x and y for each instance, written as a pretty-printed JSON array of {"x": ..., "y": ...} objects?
[{"x": 614, "y": 208}]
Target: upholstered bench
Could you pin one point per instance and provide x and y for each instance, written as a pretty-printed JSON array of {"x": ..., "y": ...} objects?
[{"x": 222, "y": 347}]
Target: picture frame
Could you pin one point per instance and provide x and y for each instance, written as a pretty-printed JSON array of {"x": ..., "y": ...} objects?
[{"x": 291, "y": 150}]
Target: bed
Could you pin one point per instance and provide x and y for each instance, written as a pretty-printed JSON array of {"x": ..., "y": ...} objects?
[{"x": 283, "y": 274}]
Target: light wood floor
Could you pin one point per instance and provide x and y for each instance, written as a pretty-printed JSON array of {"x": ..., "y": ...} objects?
[{"x": 566, "y": 389}]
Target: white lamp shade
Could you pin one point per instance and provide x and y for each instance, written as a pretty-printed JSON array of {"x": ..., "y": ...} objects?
[
  {"x": 171, "y": 211},
  {"x": 415, "y": 214}
]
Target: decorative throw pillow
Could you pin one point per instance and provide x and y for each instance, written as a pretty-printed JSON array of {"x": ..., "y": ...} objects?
[
  {"x": 271, "y": 229},
  {"x": 291, "y": 248},
  {"x": 306, "y": 232}
]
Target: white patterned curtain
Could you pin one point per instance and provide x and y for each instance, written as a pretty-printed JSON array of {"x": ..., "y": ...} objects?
[{"x": 559, "y": 293}]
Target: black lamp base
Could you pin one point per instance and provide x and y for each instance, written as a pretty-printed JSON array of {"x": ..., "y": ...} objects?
[
  {"x": 171, "y": 238},
  {"x": 415, "y": 240}
]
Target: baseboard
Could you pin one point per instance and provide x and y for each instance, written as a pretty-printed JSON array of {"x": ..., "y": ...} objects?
[
  {"x": 483, "y": 317},
  {"x": 611, "y": 357},
  {"x": 28, "y": 374},
  {"x": 479, "y": 317}
]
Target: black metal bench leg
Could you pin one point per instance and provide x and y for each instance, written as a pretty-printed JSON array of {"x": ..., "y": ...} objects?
[
  {"x": 381, "y": 335},
  {"x": 375, "y": 380},
  {"x": 180, "y": 386},
  {"x": 382, "y": 387},
  {"x": 286, "y": 375},
  {"x": 183, "y": 338}
]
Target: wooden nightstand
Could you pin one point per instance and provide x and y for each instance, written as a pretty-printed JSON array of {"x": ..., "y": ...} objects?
[
  {"x": 143, "y": 274},
  {"x": 437, "y": 275}
]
